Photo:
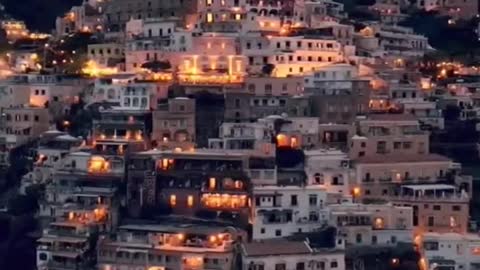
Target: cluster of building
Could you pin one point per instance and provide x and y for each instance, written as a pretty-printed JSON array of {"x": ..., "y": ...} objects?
[{"x": 242, "y": 134}]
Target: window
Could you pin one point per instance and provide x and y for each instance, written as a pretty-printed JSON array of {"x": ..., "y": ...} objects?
[
  {"x": 437, "y": 207},
  {"x": 43, "y": 92},
  {"x": 268, "y": 89},
  {"x": 278, "y": 232},
  {"x": 397, "y": 145},
  {"x": 407, "y": 145},
  {"x": 312, "y": 199},
  {"x": 381, "y": 147},
  {"x": 190, "y": 201},
  {"x": 374, "y": 239},
  {"x": 393, "y": 239},
  {"x": 333, "y": 264},
  {"x": 431, "y": 221},
  {"x": 262, "y": 230},
  {"x": 293, "y": 200},
  {"x": 37, "y": 92},
  {"x": 319, "y": 179},
  {"x": 456, "y": 208},
  {"x": 43, "y": 256},
  {"x": 25, "y": 117},
  {"x": 36, "y": 118},
  {"x": 280, "y": 266},
  {"x": 251, "y": 87},
  {"x": 358, "y": 238},
  {"x": 430, "y": 245},
  {"x": 301, "y": 266},
  {"x": 173, "y": 200}
]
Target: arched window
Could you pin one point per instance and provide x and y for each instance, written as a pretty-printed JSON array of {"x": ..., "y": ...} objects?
[
  {"x": 101, "y": 92},
  {"x": 144, "y": 102},
  {"x": 135, "y": 102},
  {"x": 111, "y": 93},
  {"x": 319, "y": 179},
  {"x": 126, "y": 102}
]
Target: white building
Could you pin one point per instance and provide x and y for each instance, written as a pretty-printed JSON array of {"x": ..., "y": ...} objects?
[
  {"x": 329, "y": 169},
  {"x": 333, "y": 76},
  {"x": 281, "y": 211},
  {"x": 451, "y": 251},
  {"x": 251, "y": 137},
  {"x": 372, "y": 224},
  {"x": 426, "y": 111}
]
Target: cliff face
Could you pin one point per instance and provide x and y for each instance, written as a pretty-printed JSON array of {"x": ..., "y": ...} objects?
[{"x": 38, "y": 14}]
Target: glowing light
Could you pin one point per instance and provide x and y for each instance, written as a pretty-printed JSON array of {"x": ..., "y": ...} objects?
[
  {"x": 282, "y": 140},
  {"x": 213, "y": 238},
  {"x": 209, "y": 17},
  {"x": 293, "y": 142},
  {"x": 173, "y": 200},
  {"x": 212, "y": 183},
  {"x": 98, "y": 164},
  {"x": 356, "y": 191},
  {"x": 379, "y": 223},
  {"x": 92, "y": 69},
  {"x": 180, "y": 236},
  {"x": 190, "y": 201}
]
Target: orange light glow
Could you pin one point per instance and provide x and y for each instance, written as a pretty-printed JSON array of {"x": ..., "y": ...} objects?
[
  {"x": 98, "y": 164},
  {"x": 173, "y": 200},
  {"x": 356, "y": 191},
  {"x": 180, "y": 236},
  {"x": 92, "y": 69},
  {"x": 190, "y": 201},
  {"x": 238, "y": 184},
  {"x": 224, "y": 201},
  {"x": 379, "y": 223},
  {"x": 209, "y": 17},
  {"x": 212, "y": 183},
  {"x": 71, "y": 216},
  {"x": 293, "y": 142},
  {"x": 282, "y": 140}
]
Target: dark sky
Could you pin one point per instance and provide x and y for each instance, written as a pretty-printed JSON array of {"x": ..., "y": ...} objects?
[{"x": 38, "y": 14}]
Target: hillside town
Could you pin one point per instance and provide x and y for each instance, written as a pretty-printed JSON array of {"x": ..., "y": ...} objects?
[{"x": 241, "y": 135}]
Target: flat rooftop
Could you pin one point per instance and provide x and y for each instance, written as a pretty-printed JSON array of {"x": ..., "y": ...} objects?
[
  {"x": 402, "y": 158},
  {"x": 275, "y": 247}
]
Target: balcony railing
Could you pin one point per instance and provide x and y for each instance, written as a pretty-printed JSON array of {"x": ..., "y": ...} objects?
[{"x": 385, "y": 179}]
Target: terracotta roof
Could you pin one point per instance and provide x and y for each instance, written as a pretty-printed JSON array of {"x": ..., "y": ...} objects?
[
  {"x": 402, "y": 158},
  {"x": 392, "y": 117},
  {"x": 275, "y": 247}
]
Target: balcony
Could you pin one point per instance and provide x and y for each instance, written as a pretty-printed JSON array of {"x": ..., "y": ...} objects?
[
  {"x": 457, "y": 198},
  {"x": 368, "y": 180},
  {"x": 385, "y": 179}
]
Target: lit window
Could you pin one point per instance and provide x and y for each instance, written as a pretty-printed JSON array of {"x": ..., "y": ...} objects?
[
  {"x": 209, "y": 17},
  {"x": 238, "y": 17},
  {"x": 293, "y": 142},
  {"x": 379, "y": 223},
  {"x": 212, "y": 183},
  {"x": 238, "y": 184},
  {"x": 238, "y": 65},
  {"x": 190, "y": 201},
  {"x": 282, "y": 140},
  {"x": 173, "y": 200}
]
